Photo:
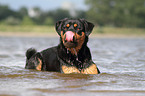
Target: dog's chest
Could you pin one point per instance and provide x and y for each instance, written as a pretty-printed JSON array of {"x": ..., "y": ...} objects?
[{"x": 92, "y": 69}]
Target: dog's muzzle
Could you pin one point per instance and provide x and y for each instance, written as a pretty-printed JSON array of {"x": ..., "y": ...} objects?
[
  {"x": 69, "y": 36},
  {"x": 69, "y": 39}
]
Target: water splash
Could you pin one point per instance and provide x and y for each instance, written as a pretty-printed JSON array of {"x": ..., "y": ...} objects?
[{"x": 67, "y": 51}]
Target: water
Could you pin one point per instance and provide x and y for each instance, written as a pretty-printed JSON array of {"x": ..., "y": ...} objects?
[{"x": 121, "y": 62}]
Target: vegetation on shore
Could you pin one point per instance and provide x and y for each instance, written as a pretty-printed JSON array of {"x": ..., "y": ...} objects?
[
  {"x": 122, "y": 16},
  {"x": 116, "y": 13},
  {"x": 31, "y": 28}
]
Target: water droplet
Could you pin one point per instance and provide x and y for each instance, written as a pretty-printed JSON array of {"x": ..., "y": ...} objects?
[
  {"x": 67, "y": 51},
  {"x": 77, "y": 58},
  {"x": 75, "y": 51}
]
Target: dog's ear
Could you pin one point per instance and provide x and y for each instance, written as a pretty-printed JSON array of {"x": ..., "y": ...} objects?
[
  {"x": 88, "y": 26},
  {"x": 58, "y": 25}
]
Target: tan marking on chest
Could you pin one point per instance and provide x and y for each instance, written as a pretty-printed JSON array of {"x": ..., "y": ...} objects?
[
  {"x": 91, "y": 70},
  {"x": 68, "y": 70},
  {"x": 39, "y": 65}
]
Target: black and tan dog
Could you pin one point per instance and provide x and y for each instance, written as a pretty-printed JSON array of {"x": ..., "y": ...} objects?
[{"x": 72, "y": 54}]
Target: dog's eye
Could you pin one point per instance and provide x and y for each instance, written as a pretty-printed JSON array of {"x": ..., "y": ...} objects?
[
  {"x": 75, "y": 25},
  {"x": 67, "y": 25}
]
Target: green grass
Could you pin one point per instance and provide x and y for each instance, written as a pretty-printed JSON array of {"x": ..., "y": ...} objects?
[
  {"x": 43, "y": 29},
  {"x": 51, "y": 29},
  {"x": 121, "y": 31}
]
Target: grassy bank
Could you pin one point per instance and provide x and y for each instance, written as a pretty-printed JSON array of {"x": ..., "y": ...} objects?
[
  {"x": 47, "y": 30},
  {"x": 43, "y": 29}
]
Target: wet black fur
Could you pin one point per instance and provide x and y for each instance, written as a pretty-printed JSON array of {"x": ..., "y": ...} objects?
[
  {"x": 53, "y": 58},
  {"x": 84, "y": 56}
]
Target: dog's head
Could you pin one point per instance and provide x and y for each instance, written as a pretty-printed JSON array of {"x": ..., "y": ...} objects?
[{"x": 73, "y": 31}]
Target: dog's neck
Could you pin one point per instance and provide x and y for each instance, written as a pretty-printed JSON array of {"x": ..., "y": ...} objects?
[
  {"x": 77, "y": 59},
  {"x": 75, "y": 50}
]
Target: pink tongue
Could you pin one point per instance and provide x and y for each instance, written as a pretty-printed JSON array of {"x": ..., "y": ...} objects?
[{"x": 69, "y": 36}]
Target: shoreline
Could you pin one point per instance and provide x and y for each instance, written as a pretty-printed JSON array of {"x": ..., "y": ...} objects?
[{"x": 54, "y": 34}]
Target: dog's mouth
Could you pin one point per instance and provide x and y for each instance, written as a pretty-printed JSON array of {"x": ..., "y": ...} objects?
[
  {"x": 70, "y": 44},
  {"x": 70, "y": 39}
]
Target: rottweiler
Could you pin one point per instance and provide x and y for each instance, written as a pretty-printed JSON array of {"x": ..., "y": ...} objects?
[{"x": 71, "y": 55}]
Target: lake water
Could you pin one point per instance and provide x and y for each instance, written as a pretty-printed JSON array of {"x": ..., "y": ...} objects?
[{"x": 121, "y": 62}]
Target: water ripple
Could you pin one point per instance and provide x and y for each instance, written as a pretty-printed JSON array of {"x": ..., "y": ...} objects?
[{"x": 121, "y": 62}]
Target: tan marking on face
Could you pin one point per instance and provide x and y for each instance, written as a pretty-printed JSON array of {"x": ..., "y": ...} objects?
[
  {"x": 62, "y": 36},
  {"x": 80, "y": 40},
  {"x": 68, "y": 70},
  {"x": 75, "y": 25},
  {"x": 39, "y": 65},
  {"x": 67, "y": 25},
  {"x": 91, "y": 70}
]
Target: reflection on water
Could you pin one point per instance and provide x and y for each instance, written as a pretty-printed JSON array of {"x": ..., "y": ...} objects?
[{"x": 121, "y": 61}]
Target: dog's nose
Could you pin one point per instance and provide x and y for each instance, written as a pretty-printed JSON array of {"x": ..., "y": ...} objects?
[{"x": 69, "y": 36}]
